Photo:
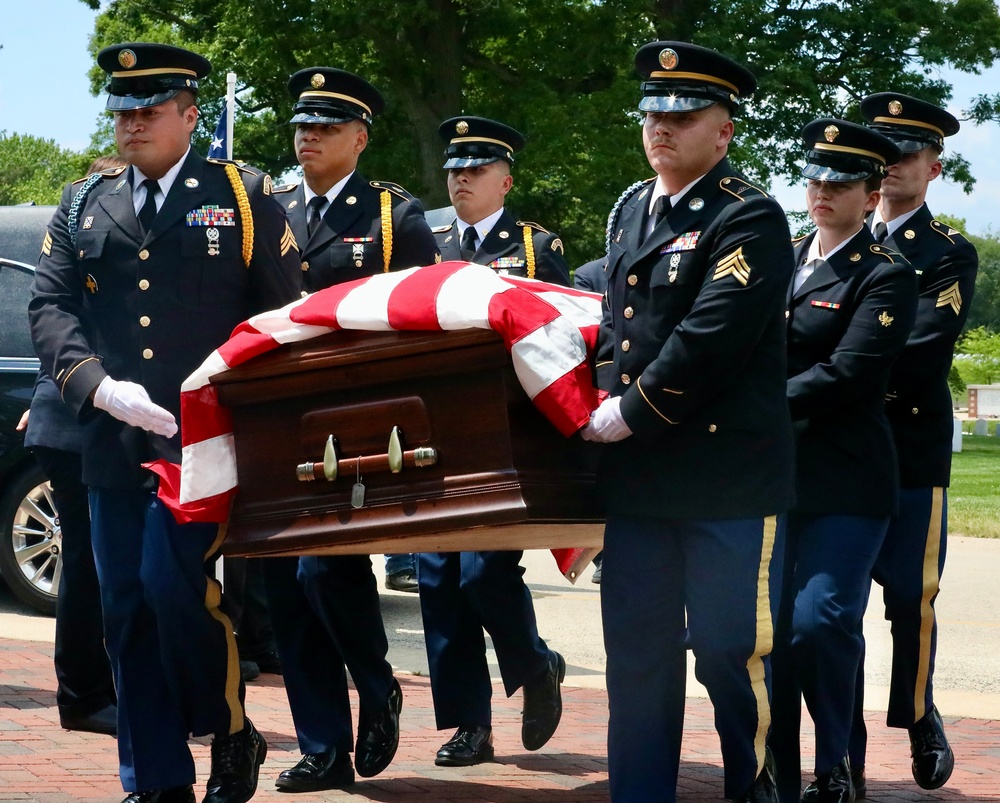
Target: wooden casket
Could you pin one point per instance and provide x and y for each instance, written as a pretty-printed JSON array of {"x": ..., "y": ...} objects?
[{"x": 450, "y": 451}]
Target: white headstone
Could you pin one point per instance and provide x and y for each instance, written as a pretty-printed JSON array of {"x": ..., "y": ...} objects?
[
  {"x": 981, "y": 428},
  {"x": 956, "y": 435}
]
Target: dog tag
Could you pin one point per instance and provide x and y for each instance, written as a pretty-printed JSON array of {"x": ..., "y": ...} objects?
[{"x": 358, "y": 491}]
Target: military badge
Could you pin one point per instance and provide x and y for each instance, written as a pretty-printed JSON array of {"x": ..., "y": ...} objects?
[
  {"x": 885, "y": 319},
  {"x": 91, "y": 284},
  {"x": 825, "y": 304},
  {"x": 358, "y": 254},
  {"x": 213, "y": 241},
  {"x": 88, "y": 222},
  {"x": 317, "y": 81},
  {"x": 127, "y": 59},
  {"x": 685, "y": 242},
  {"x": 359, "y": 239},
  {"x": 855, "y": 257},
  {"x": 351, "y": 200},
  {"x": 909, "y": 234},
  {"x": 461, "y": 128},
  {"x": 120, "y": 184},
  {"x": 211, "y": 215},
  {"x": 696, "y": 204},
  {"x": 668, "y": 58},
  {"x": 557, "y": 245},
  {"x": 503, "y": 264},
  {"x": 504, "y": 235},
  {"x": 734, "y": 265},
  {"x": 293, "y": 204},
  {"x": 830, "y": 133},
  {"x": 288, "y": 240},
  {"x": 190, "y": 183},
  {"x": 268, "y": 186},
  {"x": 895, "y": 108},
  {"x": 951, "y": 297}
]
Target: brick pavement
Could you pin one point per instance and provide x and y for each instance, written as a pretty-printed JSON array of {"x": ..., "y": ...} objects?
[{"x": 40, "y": 762}]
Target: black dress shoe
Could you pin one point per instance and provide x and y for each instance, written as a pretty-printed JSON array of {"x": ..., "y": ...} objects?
[
  {"x": 378, "y": 734},
  {"x": 268, "y": 662},
  {"x": 469, "y": 746},
  {"x": 318, "y": 771},
  {"x": 763, "y": 789},
  {"x": 933, "y": 760},
  {"x": 543, "y": 704},
  {"x": 103, "y": 721},
  {"x": 249, "y": 670},
  {"x": 836, "y": 785},
  {"x": 405, "y": 580},
  {"x": 176, "y": 794},
  {"x": 236, "y": 760},
  {"x": 811, "y": 793}
]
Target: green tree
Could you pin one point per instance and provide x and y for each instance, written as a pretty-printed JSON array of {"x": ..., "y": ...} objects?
[
  {"x": 978, "y": 357},
  {"x": 562, "y": 72},
  {"x": 35, "y": 169},
  {"x": 985, "y": 311}
]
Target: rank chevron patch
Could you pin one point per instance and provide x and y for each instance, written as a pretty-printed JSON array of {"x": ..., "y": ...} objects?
[
  {"x": 288, "y": 240},
  {"x": 734, "y": 264},
  {"x": 951, "y": 297}
]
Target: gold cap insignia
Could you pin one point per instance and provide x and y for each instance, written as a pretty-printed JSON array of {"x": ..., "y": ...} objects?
[
  {"x": 909, "y": 234},
  {"x": 317, "y": 80},
  {"x": 461, "y": 127},
  {"x": 191, "y": 182},
  {"x": 831, "y": 132},
  {"x": 855, "y": 257},
  {"x": 885, "y": 319},
  {"x": 127, "y": 59},
  {"x": 668, "y": 58},
  {"x": 696, "y": 204},
  {"x": 895, "y": 108}
]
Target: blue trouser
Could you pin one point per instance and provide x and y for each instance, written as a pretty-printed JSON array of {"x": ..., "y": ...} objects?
[
  {"x": 172, "y": 650},
  {"x": 724, "y": 575},
  {"x": 909, "y": 568},
  {"x": 819, "y": 639},
  {"x": 326, "y": 615},
  {"x": 460, "y": 594},
  {"x": 403, "y": 562}
]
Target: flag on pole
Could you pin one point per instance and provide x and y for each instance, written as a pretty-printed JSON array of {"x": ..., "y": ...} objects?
[{"x": 219, "y": 147}]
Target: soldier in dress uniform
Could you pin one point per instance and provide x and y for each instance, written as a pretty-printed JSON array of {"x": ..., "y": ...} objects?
[
  {"x": 143, "y": 272},
  {"x": 919, "y": 408},
  {"x": 325, "y": 609},
  {"x": 850, "y": 308},
  {"x": 461, "y": 593},
  {"x": 699, "y": 457},
  {"x": 479, "y": 156}
]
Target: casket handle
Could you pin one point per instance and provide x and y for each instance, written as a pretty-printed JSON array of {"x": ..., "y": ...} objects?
[{"x": 394, "y": 460}]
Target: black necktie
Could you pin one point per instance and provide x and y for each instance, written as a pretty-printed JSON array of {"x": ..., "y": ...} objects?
[
  {"x": 468, "y": 243},
  {"x": 315, "y": 213},
  {"x": 881, "y": 230},
  {"x": 660, "y": 209},
  {"x": 148, "y": 211}
]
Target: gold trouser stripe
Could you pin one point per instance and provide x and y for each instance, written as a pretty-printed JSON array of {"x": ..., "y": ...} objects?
[
  {"x": 213, "y": 597},
  {"x": 931, "y": 578},
  {"x": 764, "y": 642}
]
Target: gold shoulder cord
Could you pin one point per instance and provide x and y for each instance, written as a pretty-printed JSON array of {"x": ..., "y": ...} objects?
[
  {"x": 243, "y": 202},
  {"x": 529, "y": 252},
  {"x": 386, "y": 202}
]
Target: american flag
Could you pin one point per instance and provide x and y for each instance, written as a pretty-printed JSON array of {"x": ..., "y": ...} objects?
[{"x": 549, "y": 330}]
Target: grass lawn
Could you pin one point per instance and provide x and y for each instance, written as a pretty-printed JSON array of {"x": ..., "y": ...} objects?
[{"x": 974, "y": 495}]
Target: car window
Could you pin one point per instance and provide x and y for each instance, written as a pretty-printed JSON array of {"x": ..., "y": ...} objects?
[{"x": 22, "y": 229}]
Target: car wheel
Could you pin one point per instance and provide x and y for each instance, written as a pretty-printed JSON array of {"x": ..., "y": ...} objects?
[{"x": 31, "y": 548}]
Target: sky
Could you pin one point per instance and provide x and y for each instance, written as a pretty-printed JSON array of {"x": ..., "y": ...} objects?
[{"x": 44, "y": 92}]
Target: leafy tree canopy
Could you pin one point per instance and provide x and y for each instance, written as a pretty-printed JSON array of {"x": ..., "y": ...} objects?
[
  {"x": 34, "y": 169},
  {"x": 562, "y": 72}
]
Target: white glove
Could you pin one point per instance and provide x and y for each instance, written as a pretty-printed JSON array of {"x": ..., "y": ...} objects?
[
  {"x": 606, "y": 423},
  {"x": 130, "y": 403}
]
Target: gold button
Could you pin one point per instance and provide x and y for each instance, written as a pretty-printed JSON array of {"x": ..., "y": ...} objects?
[
  {"x": 358, "y": 263},
  {"x": 629, "y": 312},
  {"x": 81, "y": 253},
  {"x": 626, "y": 379},
  {"x": 305, "y": 265},
  {"x": 712, "y": 427},
  {"x": 788, "y": 313},
  {"x": 144, "y": 254},
  {"x": 147, "y": 354},
  {"x": 143, "y": 284},
  {"x": 914, "y": 411},
  {"x": 626, "y": 345},
  {"x": 144, "y": 320},
  {"x": 633, "y": 279}
]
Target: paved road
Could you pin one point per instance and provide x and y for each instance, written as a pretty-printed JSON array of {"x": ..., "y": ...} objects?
[{"x": 967, "y": 679}]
